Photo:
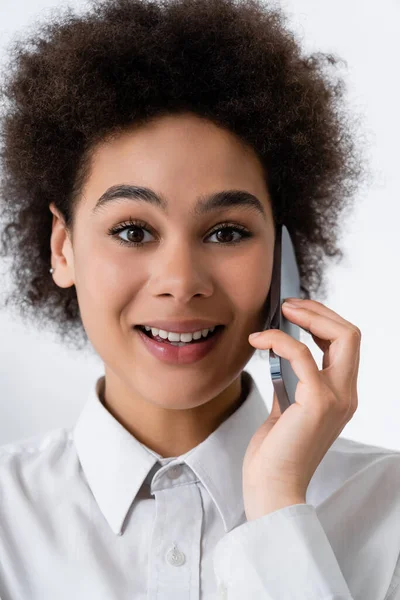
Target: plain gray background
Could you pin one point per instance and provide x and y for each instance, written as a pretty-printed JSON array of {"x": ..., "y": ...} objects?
[{"x": 43, "y": 386}]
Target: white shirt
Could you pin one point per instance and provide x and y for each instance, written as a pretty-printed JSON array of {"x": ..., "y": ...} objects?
[{"x": 92, "y": 513}]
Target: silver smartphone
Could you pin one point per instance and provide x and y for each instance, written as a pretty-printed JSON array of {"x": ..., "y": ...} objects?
[{"x": 285, "y": 283}]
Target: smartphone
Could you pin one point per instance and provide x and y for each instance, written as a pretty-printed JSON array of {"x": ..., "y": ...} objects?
[{"x": 285, "y": 283}]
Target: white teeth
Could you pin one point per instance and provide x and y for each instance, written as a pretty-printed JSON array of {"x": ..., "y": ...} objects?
[{"x": 179, "y": 337}]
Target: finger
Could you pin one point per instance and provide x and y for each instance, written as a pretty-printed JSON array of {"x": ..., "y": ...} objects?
[
  {"x": 345, "y": 339},
  {"x": 297, "y": 353},
  {"x": 321, "y": 309}
]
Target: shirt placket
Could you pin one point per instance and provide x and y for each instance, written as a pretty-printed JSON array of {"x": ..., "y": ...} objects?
[{"x": 174, "y": 563}]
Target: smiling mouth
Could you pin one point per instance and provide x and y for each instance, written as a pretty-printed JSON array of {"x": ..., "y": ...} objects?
[{"x": 157, "y": 338}]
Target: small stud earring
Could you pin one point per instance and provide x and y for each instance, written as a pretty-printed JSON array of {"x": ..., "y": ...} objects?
[{"x": 51, "y": 270}]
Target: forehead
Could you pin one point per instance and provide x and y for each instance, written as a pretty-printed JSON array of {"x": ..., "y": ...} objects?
[{"x": 181, "y": 157}]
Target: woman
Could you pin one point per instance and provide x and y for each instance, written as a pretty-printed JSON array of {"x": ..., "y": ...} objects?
[{"x": 150, "y": 150}]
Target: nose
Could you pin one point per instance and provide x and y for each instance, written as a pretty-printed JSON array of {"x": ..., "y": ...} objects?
[{"x": 181, "y": 271}]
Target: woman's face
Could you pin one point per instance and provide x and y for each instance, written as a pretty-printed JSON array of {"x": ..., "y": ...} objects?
[{"x": 181, "y": 271}]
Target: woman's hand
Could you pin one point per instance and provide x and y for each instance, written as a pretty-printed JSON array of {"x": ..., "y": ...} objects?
[{"x": 285, "y": 451}]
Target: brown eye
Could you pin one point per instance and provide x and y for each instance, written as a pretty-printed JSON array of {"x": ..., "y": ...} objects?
[
  {"x": 134, "y": 231},
  {"x": 224, "y": 235},
  {"x": 135, "y": 234},
  {"x": 225, "y": 232}
]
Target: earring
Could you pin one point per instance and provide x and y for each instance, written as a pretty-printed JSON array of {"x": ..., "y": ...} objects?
[{"x": 51, "y": 270}]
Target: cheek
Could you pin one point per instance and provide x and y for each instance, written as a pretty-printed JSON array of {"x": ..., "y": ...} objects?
[
  {"x": 105, "y": 284},
  {"x": 247, "y": 280}
]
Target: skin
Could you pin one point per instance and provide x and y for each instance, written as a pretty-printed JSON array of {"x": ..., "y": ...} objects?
[
  {"x": 287, "y": 448},
  {"x": 181, "y": 272}
]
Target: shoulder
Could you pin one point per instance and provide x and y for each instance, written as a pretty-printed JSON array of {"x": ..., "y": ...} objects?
[
  {"x": 38, "y": 444},
  {"x": 347, "y": 446},
  {"x": 35, "y": 460},
  {"x": 349, "y": 463}
]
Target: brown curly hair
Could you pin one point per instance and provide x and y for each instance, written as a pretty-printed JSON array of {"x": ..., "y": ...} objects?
[{"x": 78, "y": 79}]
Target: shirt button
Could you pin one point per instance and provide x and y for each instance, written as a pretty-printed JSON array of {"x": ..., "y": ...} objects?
[
  {"x": 175, "y": 472},
  {"x": 175, "y": 557}
]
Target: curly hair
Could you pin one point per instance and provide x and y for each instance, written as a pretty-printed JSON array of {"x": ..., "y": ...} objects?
[{"x": 78, "y": 79}]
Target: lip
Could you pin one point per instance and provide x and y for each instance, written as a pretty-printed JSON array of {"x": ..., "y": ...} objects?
[
  {"x": 181, "y": 326},
  {"x": 183, "y": 354}
]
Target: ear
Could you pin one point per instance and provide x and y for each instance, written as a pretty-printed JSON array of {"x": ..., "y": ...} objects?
[{"x": 62, "y": 256}]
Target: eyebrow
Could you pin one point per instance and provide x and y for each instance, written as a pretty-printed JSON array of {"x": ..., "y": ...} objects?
[{"x": 205, "y": 203}]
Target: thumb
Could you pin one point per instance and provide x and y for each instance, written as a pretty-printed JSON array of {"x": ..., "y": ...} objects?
[
  {"x": 275, "y": 410},
  {"x": 262, "y": 432},
  {"x": 268, "y": 424}
]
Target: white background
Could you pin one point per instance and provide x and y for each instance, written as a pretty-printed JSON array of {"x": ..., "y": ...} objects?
[{"x": 44, "y": 386}]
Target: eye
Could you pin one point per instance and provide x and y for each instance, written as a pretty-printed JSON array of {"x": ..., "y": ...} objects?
[
  {"x": 227, "y": 229},
  {"x": 135, "y": 227}
]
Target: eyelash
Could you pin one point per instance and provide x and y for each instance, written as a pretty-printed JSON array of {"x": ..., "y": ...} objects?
[{"x": 132, "y": 223}]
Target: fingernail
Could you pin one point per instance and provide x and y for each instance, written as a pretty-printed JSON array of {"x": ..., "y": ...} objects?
[
  {"x": 290, "y": 305},
  {"x": 253, "y": 335},
  {"x": 294, "y": 300}
]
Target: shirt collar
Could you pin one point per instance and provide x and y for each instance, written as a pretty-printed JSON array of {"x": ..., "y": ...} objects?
[{"x": 116, "y": 464}]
